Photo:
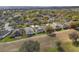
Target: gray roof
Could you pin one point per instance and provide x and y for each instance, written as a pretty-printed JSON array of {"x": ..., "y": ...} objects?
[
  {"x": 4, "y": 34},
  {"x": 39, "y": 29},
  {"x": 29, "y": 30}
]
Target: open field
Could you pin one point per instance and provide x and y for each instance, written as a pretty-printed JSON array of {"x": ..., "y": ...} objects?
[
  {"x": 66, "y": 42},
  {"x": 45, "y": 42}
]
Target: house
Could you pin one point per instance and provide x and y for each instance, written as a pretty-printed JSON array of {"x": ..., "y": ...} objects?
[
  {"x": 50, "y": 20},
  {"x": 66, "y": 26},
  {"x": 29, "y": 31},
  {"x": 4, "y": 33},
  {"x": 16, "y": 15},
  {"x": 29, "y": 22},
  {"x": 39, "y": 29},
  {"x": 5, "y": 30},
  {"x": 32, "y": 26},
  {"x": 16, "y": 33},
  {"x": 7, "y": 27},
  {"x": 57, "y": 26},
  {"x": 67, "y": 20}
]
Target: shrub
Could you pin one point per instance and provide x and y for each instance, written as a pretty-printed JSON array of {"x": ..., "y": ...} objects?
[
  {"x": 59, "y": 47},
  {"x": 74, "y": 24},
  {"x": 56, "y": 49},
  {"x": 50, "y": 30},
  {"x": 30, "y": 46}
]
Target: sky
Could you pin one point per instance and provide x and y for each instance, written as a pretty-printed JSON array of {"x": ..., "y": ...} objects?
[{"x": 39, "y": 2}]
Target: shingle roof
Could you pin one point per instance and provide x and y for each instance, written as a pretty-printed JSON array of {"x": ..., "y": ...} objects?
[{"x": 29, "y": 30}]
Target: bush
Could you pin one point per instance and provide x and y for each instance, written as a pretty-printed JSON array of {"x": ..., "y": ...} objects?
[
  {"x": 49, "y": 29},
  {"x": 56, "y": 49},
  {"x": 74, "y": 37},
  {"x": 30, "y": 46},
  {"x": 59, "y": 47},
  {"x": 74, "y": 24}
]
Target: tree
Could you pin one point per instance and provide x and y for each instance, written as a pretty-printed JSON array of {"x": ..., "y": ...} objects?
[
  {"x": 45, "y": 19},
  {"x": 50, "y": 30},
  {"x": 74, "y": 37},
  {"x": 23, "y": 33},
  {"x": 30, "y": 46}
]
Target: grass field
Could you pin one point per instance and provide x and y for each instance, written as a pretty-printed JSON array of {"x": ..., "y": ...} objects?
[
  {"x": 52, "y": 50},
  {"x": 7, "y": 39}
]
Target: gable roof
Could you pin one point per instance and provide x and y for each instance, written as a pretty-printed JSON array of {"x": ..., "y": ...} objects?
[{"x": 29, "y": 30}]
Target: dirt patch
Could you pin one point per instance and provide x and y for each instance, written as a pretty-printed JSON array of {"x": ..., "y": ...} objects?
[
  {"x": 44, "y": 40},
  {"x": 66, "y": 42},
  {"x": 63, "y": 36}
]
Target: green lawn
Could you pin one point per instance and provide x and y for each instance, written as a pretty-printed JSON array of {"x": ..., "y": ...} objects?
[
  {"x": 69, "y": 47},
  {"x": 7, "y": 39},
  {"x": 52, "y": 50}
]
